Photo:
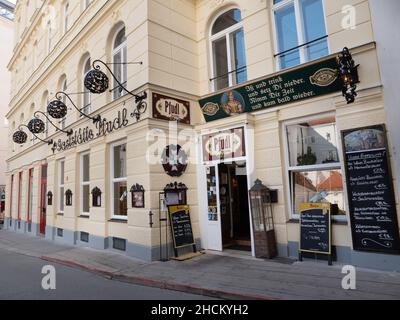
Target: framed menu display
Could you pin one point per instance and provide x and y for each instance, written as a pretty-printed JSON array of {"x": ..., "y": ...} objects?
[{"x": 372, "y": 204}]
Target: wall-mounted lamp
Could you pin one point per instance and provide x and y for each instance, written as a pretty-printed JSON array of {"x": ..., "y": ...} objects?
[
  {"x": 96, "y": 197},
  {"x": 37, "y": 125},
  {"x": 21, "y": 137},
  {"x": 349, "y": 74},
  {"x": 137, "y": 193},
  {"x": 49, "y": 198},
  {"x": 68, "y": 198}
]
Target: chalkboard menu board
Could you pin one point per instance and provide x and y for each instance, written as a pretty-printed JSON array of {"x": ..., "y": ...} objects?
[
  {"x": 181, "y": 226},
  {"x": 315, "y": 228},
  {"x": 370, "y": 190}
]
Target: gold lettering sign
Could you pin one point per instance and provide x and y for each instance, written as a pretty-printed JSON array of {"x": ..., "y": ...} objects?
[{"x": 167, "y": 108}]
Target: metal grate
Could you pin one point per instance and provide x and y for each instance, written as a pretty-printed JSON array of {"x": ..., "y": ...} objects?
[
  {"x": 85, "y": 237},
  {"x": 119, "y": 244},
  {"x": 60, "y": 232}
]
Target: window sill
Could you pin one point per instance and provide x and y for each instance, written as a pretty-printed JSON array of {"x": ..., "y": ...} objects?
[
  {"x": 83, "y": 217},
  {"x": 335, "y": 222},
  {"x": 124, "y": 221},
  {"x": 60, "y": 214}
]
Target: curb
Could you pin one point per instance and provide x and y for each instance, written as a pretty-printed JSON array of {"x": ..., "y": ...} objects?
[{"x": 161, "y": 284}]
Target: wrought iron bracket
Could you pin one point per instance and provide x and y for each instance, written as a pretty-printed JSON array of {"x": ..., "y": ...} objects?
[
  {"x": 138, "y": 98},
  {"x": 59, "y": 95},
  {"x": 49, "y": 142},
  {"x": 141, "y": 108},
  {"x": 349, "y": 74},
  {"x": 68, "y": 133}
]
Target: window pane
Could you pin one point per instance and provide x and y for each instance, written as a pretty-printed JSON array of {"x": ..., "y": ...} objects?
[
  {"x": 220, "y": 64},
  {"x": 118, "y": 73},
  {"x": 287, "y": 36},
  {"x": 239, "y": 56},
  {"x": 314, "y": 25},
  {"x": 313, "y": 143},
  {"x": 62, "y": 165},
  {"x": 86, "y": 168},
  {"x": 61, "y": 199},
  {"x": 86, "y": 199},
  {"x": 317, "y": 187},
  {"x": 227, "y": 20},
  {"x": 120, "y": 199},
  {"x": 120, "y": 161},
  {"x": 120, "y": 38}
]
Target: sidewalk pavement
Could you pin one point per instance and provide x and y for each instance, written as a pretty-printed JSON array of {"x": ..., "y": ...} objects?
[{"x": 216, "y": 275}]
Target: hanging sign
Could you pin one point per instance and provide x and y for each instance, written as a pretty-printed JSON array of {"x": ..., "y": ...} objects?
[
  {"x": 299, "y": 84},
  {"x": 224, "y": 145},
  {"x": 315, "y": 228},
  {"x": 371, "y": 195},
  {"x": 166, "y": 108}
]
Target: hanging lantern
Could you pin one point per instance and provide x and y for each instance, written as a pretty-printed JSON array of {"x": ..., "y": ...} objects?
[
  {"x": 57, "y": 109},
  {"x": 20, "y": 137},
  {"x": 36, "y": 126},
  {"x": 96, "y": 81}
]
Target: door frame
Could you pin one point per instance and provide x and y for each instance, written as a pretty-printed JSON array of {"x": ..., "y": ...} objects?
[{"x": 202, "y": 179}]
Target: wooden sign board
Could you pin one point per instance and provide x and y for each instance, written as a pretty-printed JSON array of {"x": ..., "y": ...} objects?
[
  {"x": 315, "y": 228},
  {"x": 372, "y": 203},
  {"x": 181, "y": 226}
]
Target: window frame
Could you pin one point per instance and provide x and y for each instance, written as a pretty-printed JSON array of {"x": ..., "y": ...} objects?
[
  {"x": 114, "y": 180},
  {"x": 289, "y": 170},
  {"x": 64, "y": 88},
  {"x": 300, "y": 30},
  {"x": 124, "y": 67},
  {"x": 82, "y": 183},
  {"x": 11, "y": 195},
  {"x": 86, "y": 109},
  {"x": 61, "y": 195},
  {"x": 226, "y": 33}
]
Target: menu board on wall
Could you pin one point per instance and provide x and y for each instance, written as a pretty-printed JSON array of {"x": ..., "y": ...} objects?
[
  {"x": 315, "y": 228},
  {"x": 371, "y": 195}
]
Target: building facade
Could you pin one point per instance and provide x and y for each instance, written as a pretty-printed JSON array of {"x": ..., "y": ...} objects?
[
  {"x": 224, "y": 80},
  {"x": 7, "y": 34}
]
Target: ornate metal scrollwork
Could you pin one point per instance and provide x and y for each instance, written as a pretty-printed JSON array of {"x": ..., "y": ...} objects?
[
  {"x": 36, "y": 126},
  {"x": 349, "y": 74},
  {"x": 20, "y": 137},
  {"x": 96, "y": 81},
  {"x": 57, "y": 109}
]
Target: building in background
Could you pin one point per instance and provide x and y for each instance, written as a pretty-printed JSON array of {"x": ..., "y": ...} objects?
[
  {"x": 6, "y": 48},
  {"x": 256, "y": 83}
]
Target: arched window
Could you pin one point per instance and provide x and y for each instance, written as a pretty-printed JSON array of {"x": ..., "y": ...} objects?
[
  {"x": 49, "y": 36},
  {"x": 86, "y": 98},
  {"x": 66, "y": 17},
  {"x": 45, "y": 102},
  {"x": 228, "y": 50},
  {"x": 63, "y": 87},
  {"x": 119, "y": 54}
]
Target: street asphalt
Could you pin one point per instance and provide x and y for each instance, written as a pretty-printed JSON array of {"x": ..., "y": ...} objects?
[{"x": 21, "y": 279}]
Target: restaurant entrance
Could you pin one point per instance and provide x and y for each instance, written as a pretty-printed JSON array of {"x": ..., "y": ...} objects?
[{"x": 234, "y": 206}]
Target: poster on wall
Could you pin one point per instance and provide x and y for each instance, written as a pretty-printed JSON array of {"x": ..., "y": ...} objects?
[
  {"x": 290, "y": 86},
  {"x": 370, "y": 190}
]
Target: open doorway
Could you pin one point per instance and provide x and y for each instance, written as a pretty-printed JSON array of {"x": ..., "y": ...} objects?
[{"x": 234, "y": 206}]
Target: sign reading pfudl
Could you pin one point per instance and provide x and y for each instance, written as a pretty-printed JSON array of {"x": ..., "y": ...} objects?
[{"x": 313, "y": 80}]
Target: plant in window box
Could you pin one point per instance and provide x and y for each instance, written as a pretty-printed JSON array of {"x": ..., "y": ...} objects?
[{"x": 307, "y": 159}]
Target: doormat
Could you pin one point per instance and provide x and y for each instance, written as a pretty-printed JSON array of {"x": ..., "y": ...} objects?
[{"x": 188, "y": 256}]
